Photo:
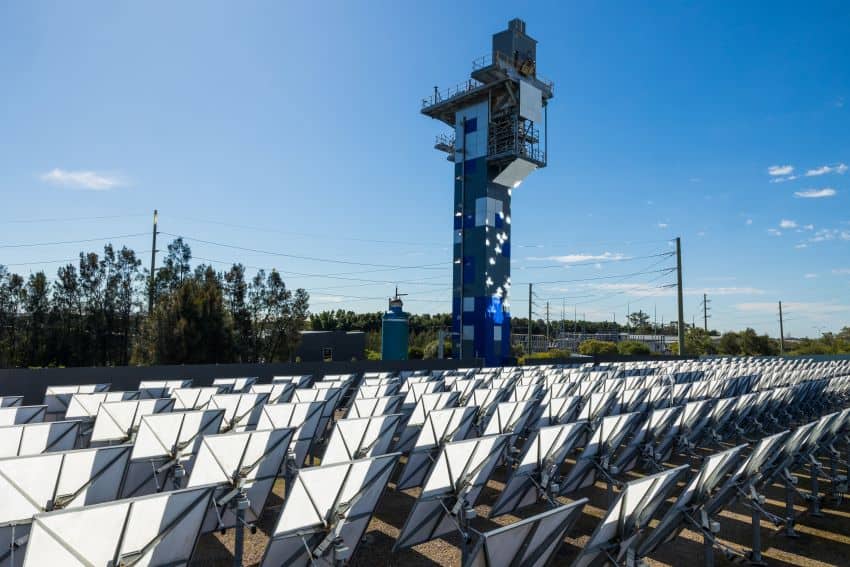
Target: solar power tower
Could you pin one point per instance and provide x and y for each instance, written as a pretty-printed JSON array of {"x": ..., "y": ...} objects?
[{"x": 497, "y": 115}]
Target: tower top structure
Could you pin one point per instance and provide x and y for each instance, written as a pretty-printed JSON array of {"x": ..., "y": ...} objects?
[
  {"x": 497, "y": 116},
  {"x": 507, "y": 79}
]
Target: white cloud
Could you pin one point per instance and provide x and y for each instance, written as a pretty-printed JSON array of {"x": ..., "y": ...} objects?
[
  {"x": 777, "y": 170},
  {"x": 816, "y": 193},
  {"x": 810, "y": 276},
  {"x": 328, "y": 299},
  {"x": 662, "y": 225},
  {"x": 774, "y": 232},
  {"x": 827, "y": 234},
  {"x": 784, "y": 179},
  {"x": 749, "y": 222},
  {"x": 801, "y": 246},
  {"x": 841, "y": 271},
  {"x": 840, "y": 169},
  {"x": 575, "y": 258},
  {"x": 89, "y": 180},
  {"x": 787, "y": 224}
]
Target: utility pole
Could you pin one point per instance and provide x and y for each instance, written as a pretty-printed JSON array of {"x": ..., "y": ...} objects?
[
  {"x": 563, "y": 315},
  {"x": 655, "y": 318},
  {"x": 781, "y": 331},
  {"x": 575, "y": 319},
  {"x": 547, "y": 324},
  {"x": 680, "y": 296},
  {"x": 628, "y": 317},
  {"x": 705, "y": 302},
  {"x": 529, "y": 318},
  {"x": 152, "y": 288}
]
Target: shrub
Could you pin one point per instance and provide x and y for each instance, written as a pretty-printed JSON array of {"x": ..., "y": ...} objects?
[
  {"x": 372, "y": 355},
  {"x": 593, "y": 347},
  {"x": 415, "y": 353},
  {"x": 430, "y": 350},
  {"x": 632, "y": 348},
  {"x": 544, "y": 357}
]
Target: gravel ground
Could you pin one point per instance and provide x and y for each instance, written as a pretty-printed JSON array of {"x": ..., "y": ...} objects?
[{"x": 823, "y": 540}]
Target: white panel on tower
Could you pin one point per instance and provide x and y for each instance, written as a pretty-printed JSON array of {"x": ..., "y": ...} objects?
[
  {"x": 530, "y": 102},
  {"x": 468, "y": 332},
  {"x": 515, "y": 173},
  {"x": 477, "y": 118}
]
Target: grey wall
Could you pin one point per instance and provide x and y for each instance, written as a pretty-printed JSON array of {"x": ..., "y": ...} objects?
[{"x": 31, "y": 383}]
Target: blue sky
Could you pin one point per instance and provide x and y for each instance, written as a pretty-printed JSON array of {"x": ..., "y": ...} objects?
[{"x": 294, "y": 128}]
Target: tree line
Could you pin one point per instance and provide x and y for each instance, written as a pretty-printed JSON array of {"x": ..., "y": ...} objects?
[{"x": 94, "y": 313}]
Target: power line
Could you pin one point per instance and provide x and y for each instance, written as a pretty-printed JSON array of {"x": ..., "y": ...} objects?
[
  {"x": 610, "y": 243},
  {"x": 309, "y": 275},
  {"x": 64, "y": 261},
  {"x": 664, "y": 270},
  {"x": 308, "y": 234},
  {"x": 308, "y": 258},
  {"x": 70, "y": 219},
  {"x": 596, "y": 262},
  {"x": 81, "y": 241}
]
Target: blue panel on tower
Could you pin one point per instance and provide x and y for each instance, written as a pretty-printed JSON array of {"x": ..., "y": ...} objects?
[
  {"x": 499, "y": 221},
  {"x": 468, "y": 269},
  {"x": 506, "y": 249},
  {"x": 471, "y": 166},
  {"x": 469, "y": 220},
  {"x": 458, "y": 222},
  {"x": 494, "y": 310},
  {"x": 470, "y": 126}
]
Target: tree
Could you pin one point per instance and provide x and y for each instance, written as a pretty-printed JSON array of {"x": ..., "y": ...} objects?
[
  {"x": 431, "y": 349},
  {"x": 753, "y": 344},
  {"x": 633, "y": 348},
  {"x": 190, "y": 324},
  {"x": 175, "y": 267},
  {"x": 730, "y": 343},
  {"x": 639, "y": 322},
  {"x": 697, "y": 343},
  {"x": 236, "y": 294},
  {"x": 37, "y": 305}
]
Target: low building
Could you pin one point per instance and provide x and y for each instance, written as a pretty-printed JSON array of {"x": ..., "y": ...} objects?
[{"x": 332, "y": 346}]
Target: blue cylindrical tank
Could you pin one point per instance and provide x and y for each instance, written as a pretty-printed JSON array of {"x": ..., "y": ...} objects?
[{"x": 394, "y": 331}]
